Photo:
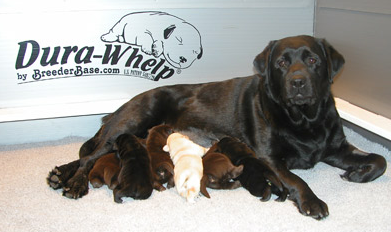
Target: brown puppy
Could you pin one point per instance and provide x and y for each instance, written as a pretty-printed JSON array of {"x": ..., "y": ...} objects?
[
  {"x": 105, "y": 171},
  {"x": 219, "y": 172},
  {"x": 161, "y": 163}
]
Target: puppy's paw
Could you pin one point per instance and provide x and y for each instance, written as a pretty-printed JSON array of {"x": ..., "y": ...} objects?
[
  {"x": 96, "y": 182},
  {"x": 158, "y": 186},
  {"x": 282, "y": 196},
  {"x": 314, "y": 208},
  {"x": 76, "y": 187}
]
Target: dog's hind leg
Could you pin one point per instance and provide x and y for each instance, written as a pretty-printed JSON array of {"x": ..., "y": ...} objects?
[{"x": 59, "y": 175}]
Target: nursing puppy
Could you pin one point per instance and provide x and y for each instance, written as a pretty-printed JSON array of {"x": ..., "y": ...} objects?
[
  {"x": 161, "y": 162},
  {"x": 219, "y": 172},
  {"x": 105, "y": 171},
  {"x": 256, "y": 176},
  {"x": 188, "y": 169},
  {"x": 135, "y": 178}
]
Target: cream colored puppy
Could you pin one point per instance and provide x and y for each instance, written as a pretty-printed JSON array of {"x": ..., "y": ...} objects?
[{"x": 188, "y": 168}]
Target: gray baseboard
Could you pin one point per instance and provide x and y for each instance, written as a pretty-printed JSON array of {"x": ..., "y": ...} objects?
[{"x": 368, "y": 134}]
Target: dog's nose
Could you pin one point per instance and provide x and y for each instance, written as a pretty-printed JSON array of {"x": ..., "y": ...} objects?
[{"x": 298, "y": 82}]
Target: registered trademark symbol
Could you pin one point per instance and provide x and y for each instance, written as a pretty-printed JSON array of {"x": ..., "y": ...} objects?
[{"x": 178, "y": 71}]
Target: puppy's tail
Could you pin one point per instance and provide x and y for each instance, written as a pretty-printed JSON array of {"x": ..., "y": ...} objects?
[
  {"x": 204, "y": 183},
  {"x": 188, "y": 185},
  {"x": 181, "y": 182}
]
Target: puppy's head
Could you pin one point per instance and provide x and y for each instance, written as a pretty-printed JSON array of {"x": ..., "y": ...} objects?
[
  {"x": 226, "y": 181},
  {"x": 175, "y": 142},
  {"x": 126, "y": 144}
]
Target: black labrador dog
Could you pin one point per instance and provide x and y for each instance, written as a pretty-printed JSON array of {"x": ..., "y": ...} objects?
[{"x": 285, "y": 113}]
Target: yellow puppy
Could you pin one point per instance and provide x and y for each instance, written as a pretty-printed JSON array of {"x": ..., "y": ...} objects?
[{"x": 188, "y": 169}]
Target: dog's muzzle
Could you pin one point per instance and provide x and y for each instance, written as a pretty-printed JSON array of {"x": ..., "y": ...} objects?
[{"x": 299, "y": 91}]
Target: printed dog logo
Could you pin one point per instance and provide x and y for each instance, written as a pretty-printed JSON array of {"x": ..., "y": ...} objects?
[{"x": 159, "y": 33}]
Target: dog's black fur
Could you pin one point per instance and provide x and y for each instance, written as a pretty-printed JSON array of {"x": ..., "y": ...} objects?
[
  {"x": 135, "y": 178},
  {"x": 285, "y": 113},
  {"x": 256, "y": 177}
]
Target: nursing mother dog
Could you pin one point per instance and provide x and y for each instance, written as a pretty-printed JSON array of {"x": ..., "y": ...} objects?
[{"x": 285, "y": 113}]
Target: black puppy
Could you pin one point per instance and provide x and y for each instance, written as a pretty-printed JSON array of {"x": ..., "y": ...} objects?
[
  {"x": 135, "y": 178},
  {"x": 285, "y": 113},
  {"x": 256, "y": 177}
]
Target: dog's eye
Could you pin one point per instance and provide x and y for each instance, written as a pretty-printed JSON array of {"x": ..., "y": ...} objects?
[{"x": 312, "y": 60}]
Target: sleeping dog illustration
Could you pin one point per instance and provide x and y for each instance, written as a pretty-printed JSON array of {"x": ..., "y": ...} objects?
[{"x": 159, "y": 33}]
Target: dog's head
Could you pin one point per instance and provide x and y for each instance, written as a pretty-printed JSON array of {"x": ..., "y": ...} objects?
[{"x": 298, "y": 71}]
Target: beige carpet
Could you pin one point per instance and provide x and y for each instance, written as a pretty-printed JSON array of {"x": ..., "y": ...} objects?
[{"x": 28, "y": 204}]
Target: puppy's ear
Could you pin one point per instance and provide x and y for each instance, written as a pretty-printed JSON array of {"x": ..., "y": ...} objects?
[
  {"x": 168, "y": 31},
  {"x": 335, "y": 60},
  {"x": 261, "y": 61},
  {"x": 236, "y": 171}
]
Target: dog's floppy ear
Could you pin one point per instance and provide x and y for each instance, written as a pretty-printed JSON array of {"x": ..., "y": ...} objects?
[
  {"x": 261, "y": 61},
  {"x": 168, "y": 31},
  {"x": 335, "y": 60}
]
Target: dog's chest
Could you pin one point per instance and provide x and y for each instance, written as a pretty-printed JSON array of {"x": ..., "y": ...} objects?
[{"x": 301, "y": 152}]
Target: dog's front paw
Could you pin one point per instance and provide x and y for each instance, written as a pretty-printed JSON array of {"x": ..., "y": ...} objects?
[
  {"x": 60, "y": 175},
  {"x": 314, "y": 207},
  {"x": 77, "y": 186}
]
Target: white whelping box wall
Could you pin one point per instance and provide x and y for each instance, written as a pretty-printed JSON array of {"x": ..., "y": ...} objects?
[
  {"x": 55, "y": 62},
  {"x": 56, "y": 55}
]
